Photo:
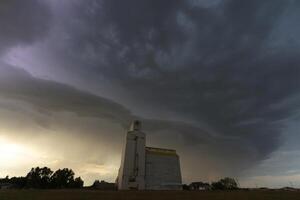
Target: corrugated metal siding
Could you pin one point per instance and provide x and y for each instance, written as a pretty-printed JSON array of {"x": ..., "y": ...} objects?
[{"x": 162, "y": 172}]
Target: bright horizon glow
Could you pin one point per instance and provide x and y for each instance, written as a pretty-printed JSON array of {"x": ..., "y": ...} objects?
[
  {"x": 10, "y": 152},
  {"x": 16, "y": 159},
  {"x": 13, "y": 154}
]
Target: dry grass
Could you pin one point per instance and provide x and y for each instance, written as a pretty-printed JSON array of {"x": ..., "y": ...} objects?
[{"x": 140, "y": 195}]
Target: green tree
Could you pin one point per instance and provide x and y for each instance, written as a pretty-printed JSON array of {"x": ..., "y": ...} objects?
[
  {"x": 77, "y": 183},
  {"x": 225, "y": 184},
  {"x": 62, "y": 178},
  {"x": 39, "y": 177}
]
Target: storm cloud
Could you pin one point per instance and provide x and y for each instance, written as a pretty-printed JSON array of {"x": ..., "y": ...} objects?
[
  {"x": 22, "y": 22},
  {"x": 221, "y": 78},
  {"x": 211, "y": 65},
  {"x": 49, "y": 106}
]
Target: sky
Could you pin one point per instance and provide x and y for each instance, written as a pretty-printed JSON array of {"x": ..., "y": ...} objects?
[{"x": 217, "y": 80}]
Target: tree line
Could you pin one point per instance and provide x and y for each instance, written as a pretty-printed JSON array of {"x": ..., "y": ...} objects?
[
  {"x": 45, "y": 178},
  {"x": 223, "y": 184}
]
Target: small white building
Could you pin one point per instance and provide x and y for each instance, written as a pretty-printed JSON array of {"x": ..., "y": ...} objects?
[{"x": 147, "y": 168}]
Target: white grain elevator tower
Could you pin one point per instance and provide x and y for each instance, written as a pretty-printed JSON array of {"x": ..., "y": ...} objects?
[{"x": 132, "y": 170}]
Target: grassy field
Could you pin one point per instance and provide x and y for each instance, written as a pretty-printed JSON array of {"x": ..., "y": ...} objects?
[{"x": 140, "y": 195}]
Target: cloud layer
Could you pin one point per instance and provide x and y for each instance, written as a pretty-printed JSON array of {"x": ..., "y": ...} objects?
[
  {"x": 220, "y": 78},
  {"x": 211, "y": 65},
  {"x": 22, "y": 22}
]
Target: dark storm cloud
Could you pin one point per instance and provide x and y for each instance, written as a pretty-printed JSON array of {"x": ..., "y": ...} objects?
[
  {"x": 49, "y": 97},
  {"x": 212, "y": 65},
  {"x": 98, "y": 117},
  {"x": 22, "y": 22},
  {"x": 215, "y": 65}
]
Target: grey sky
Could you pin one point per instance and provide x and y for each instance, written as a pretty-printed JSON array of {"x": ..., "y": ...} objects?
[{"x": 217, "y": 80}]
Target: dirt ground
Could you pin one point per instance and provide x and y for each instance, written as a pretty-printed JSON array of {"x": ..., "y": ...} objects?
[{"x": 140, "y": 195}]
